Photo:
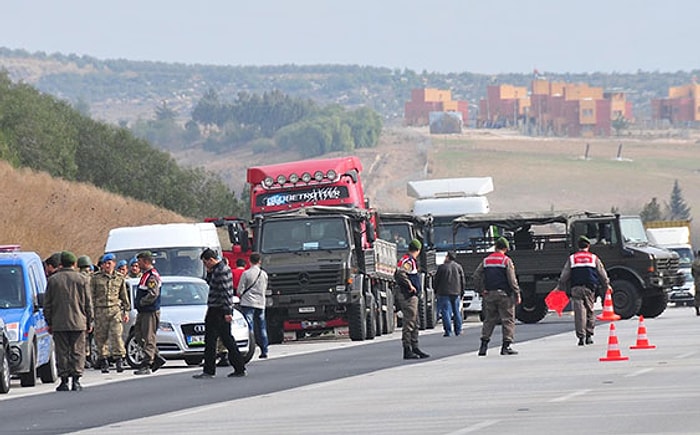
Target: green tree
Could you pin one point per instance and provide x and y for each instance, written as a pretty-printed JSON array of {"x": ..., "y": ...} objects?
[
  {"x": 651, "y": 211},
  {"x": 620, "y": 123},
  {"x": 677, "y": 207}
]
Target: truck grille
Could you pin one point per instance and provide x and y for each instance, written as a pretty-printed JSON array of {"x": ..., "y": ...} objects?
[
  {"x": 306, "y": 281},
  {"x": 667, "y": 265}
]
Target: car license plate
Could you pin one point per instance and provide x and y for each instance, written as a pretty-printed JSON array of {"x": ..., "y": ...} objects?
[
  {"x": 307, "y": 309},
  {"x": 195, "y": 340}
]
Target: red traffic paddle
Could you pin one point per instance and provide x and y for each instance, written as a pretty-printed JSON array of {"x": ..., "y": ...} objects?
[{"x": 557, "y": 300}]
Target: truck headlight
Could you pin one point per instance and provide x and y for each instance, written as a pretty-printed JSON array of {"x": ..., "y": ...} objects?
[
  {"x": 342, "y": 298},
  {"x": 12, "y": 331}
]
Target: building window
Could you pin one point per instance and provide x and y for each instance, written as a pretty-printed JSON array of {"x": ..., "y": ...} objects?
[{"x": 587, "y": 113}]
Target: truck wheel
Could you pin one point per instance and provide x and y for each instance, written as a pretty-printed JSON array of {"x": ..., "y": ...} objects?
[
  {"x": 275, "y": 329},
  {"x": 430, "y": 310},
  {"x": 357, "y": 322},
  {"x": 380, "y": 318},
  {"x": 4, "y": 373},
  {"x": 371, "y": 318},
  {"x": 531, "y": 310},
  {"x": 626, "y": 299},
  {"x": 390, "y": 319},
  {"x": 134, "y": 353},
  {"x": 654, "y": 305},
  {"x": 422, "y": 312},
  {"x": 29, "y": 379},
  {"x": 48, "y": 372}
]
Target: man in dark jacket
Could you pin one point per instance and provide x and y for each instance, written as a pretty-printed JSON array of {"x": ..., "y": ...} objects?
[
  {"x": 217, "y": 322},
  {"x": 449, "y": 285},
  {"x": 69, "y": 314}
]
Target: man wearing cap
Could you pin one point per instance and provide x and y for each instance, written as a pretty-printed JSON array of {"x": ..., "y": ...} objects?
[
  {"x": 495, "y": 279},
  {"x": 584, "y": 274},
  {"x": 68, "y": 312},
  {"x": 122, "y": 268},
  {"x": 449, "y": 286},
  {"x": 134, "y": 269},
  {"x": 147, "y": 304},
  {"x": 52, "y": 264},
  {"x": 111, "y": 301},
  {"x": 409, "y": 282}
]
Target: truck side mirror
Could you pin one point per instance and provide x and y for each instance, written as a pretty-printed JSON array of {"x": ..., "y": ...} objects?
[
  {"x": 244, "y": 241},
  {"x": 370, "y": 232}
]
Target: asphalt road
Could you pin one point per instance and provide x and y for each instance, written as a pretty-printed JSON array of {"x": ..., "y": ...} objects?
[{"x": 344, "y": 387}]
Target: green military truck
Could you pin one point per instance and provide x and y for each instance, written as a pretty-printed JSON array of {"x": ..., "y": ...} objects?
[
  {"x": 640, "y": 274},
  {"x": 401, "y": 228}
]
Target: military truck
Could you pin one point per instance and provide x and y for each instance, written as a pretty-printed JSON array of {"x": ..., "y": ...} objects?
[
  {"x": 326, "y": 270},
  {"x": 640, "y": 274},
  {"x": 401, "y": 228}
]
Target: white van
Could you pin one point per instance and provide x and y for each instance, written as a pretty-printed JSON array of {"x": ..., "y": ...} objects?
[{"x": 175, "y": 247}]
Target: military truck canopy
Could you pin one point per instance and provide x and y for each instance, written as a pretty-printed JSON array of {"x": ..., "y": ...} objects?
[{"x": 513, "y": 221}]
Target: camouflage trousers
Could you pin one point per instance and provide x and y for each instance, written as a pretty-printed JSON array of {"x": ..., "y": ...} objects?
[{"x": 108, "y": 332}]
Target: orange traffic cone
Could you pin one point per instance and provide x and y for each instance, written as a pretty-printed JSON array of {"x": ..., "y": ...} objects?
[
  {"x": 608, "y": 311},
  {"x": 613, "y": 348},
  {"x": 642, "y": 340}
]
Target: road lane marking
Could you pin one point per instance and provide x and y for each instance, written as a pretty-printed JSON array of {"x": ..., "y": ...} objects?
[
  {"x": 474, "y": 427},
  {"x": 639, "y": 372},
  {"x": 569, "y": 396},
  {"x": 686, "y": 355}
]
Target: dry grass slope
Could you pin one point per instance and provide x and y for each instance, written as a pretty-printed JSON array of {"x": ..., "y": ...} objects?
[{"x": 46, "y": 214}]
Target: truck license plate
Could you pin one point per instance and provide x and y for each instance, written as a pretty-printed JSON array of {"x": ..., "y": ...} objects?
[
  {"x": 307, "y": 309},
  {"x": 195, "y": 340}
]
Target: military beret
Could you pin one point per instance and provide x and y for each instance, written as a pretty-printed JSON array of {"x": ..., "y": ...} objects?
[
  {"x": 502, "y": 243},
  {"x": 109, "y": 257},
  {"x": 68, "y": 259},
  {"x": 133, "y": 261},
  {"x": 146, "y": 255},
  {"x": 584, "y": 241},
  {"x": 121, "y": 263},
  {"x": 415, "y": 245}
]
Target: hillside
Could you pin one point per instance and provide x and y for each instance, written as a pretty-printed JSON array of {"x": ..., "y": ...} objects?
[
  {"x": 46, "y": 214},
  {"x": 528, "y": 173}
]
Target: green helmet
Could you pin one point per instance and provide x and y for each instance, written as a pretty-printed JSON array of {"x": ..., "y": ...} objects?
[{"x": 84, "y": 261}]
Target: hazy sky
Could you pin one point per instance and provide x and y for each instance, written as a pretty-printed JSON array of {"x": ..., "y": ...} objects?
[{"x": 483, "y": 36}]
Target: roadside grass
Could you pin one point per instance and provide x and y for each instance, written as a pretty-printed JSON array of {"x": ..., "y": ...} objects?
[{"x": 47, "y": 215}]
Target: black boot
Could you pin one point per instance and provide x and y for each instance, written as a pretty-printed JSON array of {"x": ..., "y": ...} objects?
[
  {"x": 104, "y": 365},
  {"x": 589, "y": 339},
  {"x": 63, "y": 386},
  {"x": 484, "y": 347},
  {"x": 580, "y": 341},
  {"x": 507, "y": 350},
  {"x": 119, "y": 363},
  {"x": 420, "y": 353},
  {"x": 408, "y": 353},
  {"x": 76, "y": 384}
]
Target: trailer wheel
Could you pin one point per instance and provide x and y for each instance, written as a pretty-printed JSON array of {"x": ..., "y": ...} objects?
[
  {"x": 422, "y": 312},
  {"x": 357, "y": 320},
  {"x": 431, "y": 317},
  {"x": 626, "y": 299},
  {"x": 531, "y": 310},
  {"x": 390, "y": 320},
  {"x": 654, "y": 305},
  {"x": 380, "y": 318},
  {"x": 275, "y": 329}
]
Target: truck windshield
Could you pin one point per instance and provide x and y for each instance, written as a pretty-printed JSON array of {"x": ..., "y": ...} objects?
[
  {"x": 685, "y": 254},
  {"x": 633, "y": 230},
  {"x": 172, "y": 261},
  {"x": 11, "y": 287},
  {"x": 464, "y": 239},
  {"x": 304, "y": 235},
  {"x": 396, "y": 233}
]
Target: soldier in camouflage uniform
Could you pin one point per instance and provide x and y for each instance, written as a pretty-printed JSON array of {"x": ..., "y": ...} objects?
[
  {"x": 112, "y": 305},
  {"x": 134, "y": 269}
]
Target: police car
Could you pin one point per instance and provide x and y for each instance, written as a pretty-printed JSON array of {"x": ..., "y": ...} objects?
[{"x": 22, "y": 287}]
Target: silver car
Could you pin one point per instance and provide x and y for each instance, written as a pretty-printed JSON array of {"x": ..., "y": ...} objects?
[{"x": 180, "y": 333}]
